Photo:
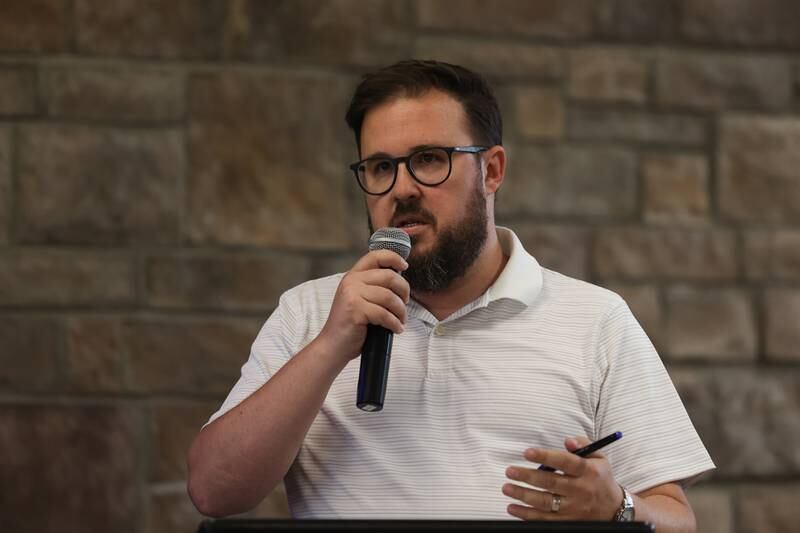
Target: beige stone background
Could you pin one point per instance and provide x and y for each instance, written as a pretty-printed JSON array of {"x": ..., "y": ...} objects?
[{"x": 168, "y": 168}]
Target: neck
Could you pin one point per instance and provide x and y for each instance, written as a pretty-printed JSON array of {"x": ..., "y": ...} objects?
[{"x": 479, "y": 277}]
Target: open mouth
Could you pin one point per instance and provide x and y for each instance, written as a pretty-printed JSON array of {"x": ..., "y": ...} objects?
[{"x": 408, "y": 222}]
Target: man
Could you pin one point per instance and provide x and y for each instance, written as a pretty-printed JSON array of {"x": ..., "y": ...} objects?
[{"x": 495, "y": 358}]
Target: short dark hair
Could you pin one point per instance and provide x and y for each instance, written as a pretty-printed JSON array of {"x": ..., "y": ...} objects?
[{"x": 415, "y": 77}]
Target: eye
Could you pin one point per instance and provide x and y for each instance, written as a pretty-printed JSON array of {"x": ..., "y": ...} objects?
[
  {"x": 429, "y": 157},
  {"x": 380, "y": 167}
]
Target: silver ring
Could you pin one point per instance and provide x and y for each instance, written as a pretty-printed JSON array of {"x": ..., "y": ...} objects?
[{"x": 555, "y": 505}]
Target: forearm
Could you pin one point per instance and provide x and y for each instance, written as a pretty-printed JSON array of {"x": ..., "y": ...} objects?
[
  {"x": 668, "y": 514},
  {"x": 239, "y": 458}
]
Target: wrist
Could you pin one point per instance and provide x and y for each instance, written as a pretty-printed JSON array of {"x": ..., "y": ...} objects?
[{"x": 626, "y": 511}]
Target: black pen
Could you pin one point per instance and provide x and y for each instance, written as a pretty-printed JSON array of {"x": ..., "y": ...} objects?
[{"x": 589, "y": 449}]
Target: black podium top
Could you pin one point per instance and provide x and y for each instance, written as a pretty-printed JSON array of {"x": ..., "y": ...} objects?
[{"x": 417, "y": 526}]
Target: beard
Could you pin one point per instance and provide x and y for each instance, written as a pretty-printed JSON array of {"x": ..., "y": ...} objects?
[{"x": 455, "y": 250}]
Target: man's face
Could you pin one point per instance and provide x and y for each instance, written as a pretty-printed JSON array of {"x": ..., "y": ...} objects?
[{"x": 447, "y": 223}]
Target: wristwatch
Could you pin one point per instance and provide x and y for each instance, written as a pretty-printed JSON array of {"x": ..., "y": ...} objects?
[{"x": 626, "y": 512}]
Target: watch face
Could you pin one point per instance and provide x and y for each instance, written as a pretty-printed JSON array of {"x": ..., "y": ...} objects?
[{"x": 626, "y": 515}]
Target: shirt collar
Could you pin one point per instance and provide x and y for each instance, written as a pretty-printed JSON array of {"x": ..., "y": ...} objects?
[{"x": 521, "y": 279}]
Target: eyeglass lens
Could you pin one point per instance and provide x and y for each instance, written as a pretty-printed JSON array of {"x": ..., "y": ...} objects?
[{"x": 430, "y": 166}]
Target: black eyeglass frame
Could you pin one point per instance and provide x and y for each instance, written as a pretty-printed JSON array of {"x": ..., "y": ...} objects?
[{"x": 397, "y": 160}]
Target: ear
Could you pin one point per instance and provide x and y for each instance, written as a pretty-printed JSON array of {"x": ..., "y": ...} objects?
[{"x": 494, "y": 168}]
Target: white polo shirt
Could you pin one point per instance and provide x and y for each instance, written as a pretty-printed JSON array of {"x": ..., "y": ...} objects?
[{"x": 537, "y": 358}]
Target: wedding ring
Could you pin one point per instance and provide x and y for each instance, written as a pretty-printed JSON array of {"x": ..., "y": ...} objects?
[{"x": 555, "y": 505}]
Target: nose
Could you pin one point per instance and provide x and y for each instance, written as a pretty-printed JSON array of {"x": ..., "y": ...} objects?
[{"x": 405, "y": 186}]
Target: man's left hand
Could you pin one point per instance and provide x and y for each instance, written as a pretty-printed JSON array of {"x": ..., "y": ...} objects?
[{"x": 584, "y": 489}]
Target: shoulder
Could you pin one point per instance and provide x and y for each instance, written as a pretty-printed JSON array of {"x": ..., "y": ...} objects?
[
  {"x": 561, "y": 290},
  {"x": 312, "y": 292}
]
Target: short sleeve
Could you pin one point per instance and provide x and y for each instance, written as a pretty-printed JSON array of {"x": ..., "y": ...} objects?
[
  {"x": 275, "y": 344},
  {"x": 637, "y": 397}
]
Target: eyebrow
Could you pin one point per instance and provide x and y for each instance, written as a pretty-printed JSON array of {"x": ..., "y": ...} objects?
[{"x": 384, "y": 155}]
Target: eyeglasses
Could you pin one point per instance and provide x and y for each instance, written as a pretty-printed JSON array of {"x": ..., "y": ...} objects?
[{"x": 429, "y": 166}]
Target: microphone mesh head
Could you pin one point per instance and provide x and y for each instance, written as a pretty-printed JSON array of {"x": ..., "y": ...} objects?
[{"x": 392, "y": 239}]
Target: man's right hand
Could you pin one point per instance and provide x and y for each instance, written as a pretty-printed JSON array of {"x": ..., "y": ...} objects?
[{"x": 372, "y": 292}]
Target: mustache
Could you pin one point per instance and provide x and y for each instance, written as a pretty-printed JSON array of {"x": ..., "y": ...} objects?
[{"x": 405, "y": 209}]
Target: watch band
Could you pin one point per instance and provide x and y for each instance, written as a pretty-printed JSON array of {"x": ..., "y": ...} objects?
[{"x": 626, "y": 512}]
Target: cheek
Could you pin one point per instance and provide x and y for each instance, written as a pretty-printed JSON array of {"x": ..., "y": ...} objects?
[{"x": 378, "y": 213}]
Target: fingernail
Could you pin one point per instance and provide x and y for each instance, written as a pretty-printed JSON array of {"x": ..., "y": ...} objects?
[
  {"x": 513, "y": 473},
  {"x": 530, "y": 453}
]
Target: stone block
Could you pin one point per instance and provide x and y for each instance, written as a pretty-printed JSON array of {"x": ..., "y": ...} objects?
[
  {"x": 713, "y": 509},
  {"x": 768, "y": 509},
  {"x": 564, "y": 19},
  {"x": 499, "y": 60},
  {"x": 334, "y": 264},
  {"x": 717, "y": 81},
  {"x": 227, "y": 282},
  {"x": 173, "y": 428},
  {"x": 675, "y": 188},
  {"x": 17, "y": 90},
  {"x": 334, "y": 32},
  {"x": 769, "y": 23},
  {"x": 95, "y": 355},
  {"x": 783, "y": 324},
  {"x": 636, "y": 126},
  {"x": 72, "y": 469},
  {"x": 81, "y": 185},
  {"x": 29, "y": 278},
  {"x": 128, "y": 94},
  {"x": 35, "y": 25},
  {"x": 714, "y": 324},
  {"x": 29, "y": 353},
  {"x": 5, "y": 184},
  {"x": 642, "y": 253},
  {"x": 634, "y": 20},
  {"x": 168, "y": 512},
  {"x": 570, "y": 180},
  {"x": 275, "y": 505},
  {"x": 200, "y": 357},
  {"x": 644, "y": 302},
  {"x": 150, "y": 28},
  {"x": 772, "y": 254},
  {"x": 758, "y": 158},
  {"x": 538, "y": 113},
  {"x": 564, "y": 249},
  {"x": 268, "y": 175},
  {"x": 608, "y": 75},
  {"x": 746, "y": 418}
]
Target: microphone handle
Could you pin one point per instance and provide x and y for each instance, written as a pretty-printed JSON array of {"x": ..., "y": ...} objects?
[{"x": 372, "y": 377}]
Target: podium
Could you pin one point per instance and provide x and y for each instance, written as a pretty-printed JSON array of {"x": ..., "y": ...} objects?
[{"x": 417, "y": 526}]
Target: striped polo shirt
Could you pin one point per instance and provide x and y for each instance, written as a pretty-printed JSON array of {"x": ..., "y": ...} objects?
[{"x": 537, "y": 358}]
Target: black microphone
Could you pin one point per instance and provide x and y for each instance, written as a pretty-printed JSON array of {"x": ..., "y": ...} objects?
[{"x": 377, "y": 350}]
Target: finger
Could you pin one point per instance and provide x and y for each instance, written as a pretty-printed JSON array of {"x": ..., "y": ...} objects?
[
  {"x": 527, "y": 513},
  {"x": 387, "y": 299},
  {"x": 389, "y": 279},
  {"x": 575, "y": 443},
  {"x": 567, "y": 462},
  {"x": 536, "y": 499},
  {"x": 380, "y": 259},
  {"x": 380, "y": 316},
  {"x": 548, "y": 481}
]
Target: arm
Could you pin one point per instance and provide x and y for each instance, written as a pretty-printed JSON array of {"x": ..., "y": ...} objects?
[
  {"x": 239, "y": 458},
  {"x": 666, "y": 507}
]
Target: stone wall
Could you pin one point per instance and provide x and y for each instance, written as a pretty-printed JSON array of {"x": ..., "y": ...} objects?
[{"x": 167, "y": 169}]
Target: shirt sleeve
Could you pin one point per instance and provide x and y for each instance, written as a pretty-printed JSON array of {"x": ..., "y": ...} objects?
[
  {"x": 637, "y": 397},
  {"x": 275, "y": 344}
]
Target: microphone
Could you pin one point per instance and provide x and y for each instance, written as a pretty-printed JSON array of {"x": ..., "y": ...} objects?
[{"x": 377, "y": 350}]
